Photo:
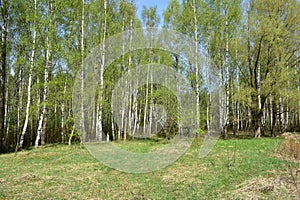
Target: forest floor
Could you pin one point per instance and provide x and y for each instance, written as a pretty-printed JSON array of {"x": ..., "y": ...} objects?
[{"x": 235, "y": 169}]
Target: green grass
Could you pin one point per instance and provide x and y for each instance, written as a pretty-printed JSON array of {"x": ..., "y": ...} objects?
[
  {"x": 63, "y": 172},
  {"x": 142, "y": 145}
]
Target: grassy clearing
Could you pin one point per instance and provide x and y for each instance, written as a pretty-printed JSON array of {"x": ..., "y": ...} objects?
[
  {"x": 142, "y": 145},
  {"x": 63, "y": 172}
]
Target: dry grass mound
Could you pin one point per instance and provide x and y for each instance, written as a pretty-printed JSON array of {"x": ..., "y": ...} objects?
[
  {"x": 284, "y": 187},
  {"x": 290, "y": 148}
]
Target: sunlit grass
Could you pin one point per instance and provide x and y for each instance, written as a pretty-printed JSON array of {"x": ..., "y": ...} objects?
[
  {"x": 142, "y": 145},
  {"x": 63, "y": 172}
]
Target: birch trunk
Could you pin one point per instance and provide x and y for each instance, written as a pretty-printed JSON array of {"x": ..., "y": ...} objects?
[
  {"x": 136, "y": 107},
  {"x": 208, "y": 112},
  {"x": 271, "y": 116},
  {"x": 82, "y": 124},
  {"x": 286, "y": 125},
  {"x": 3, "y": 73},
  {"x": 8, "y": 120},
  {"x": 196, "y": 64},
  {"x": 32, "y": 56},
  {"x": 227, "y": 77},
  {"x": 298, "y": 71},
  {"x": 6, "y": 116},
  {"x": 45, "y": 96},
  {"x": 63, "y": 114},
  {"x": 282, "y": 120},
  {"x": 150, "y": 100},
  {"x": 151, "y": 105},
  {"x": 129, "y": 85},
  {"x": 99, "y": 128},
  {"x": 41, "y": 131},
  {"x": 208, "y": 118},
  {"x": 125, "y": 89},
  {"x": 221, "y": 101},
  {"x": 259, "y": 117},
  {"x": 112, "y": 122},
  {"x": 43, "y": 135},
  {"x": 71, "y": 136},
  {"x": 146, "y": 101},
  {"x": 102, "y": 70},
  {"x": 238, "y": 92},
  {"x": 20, "y": 103}
]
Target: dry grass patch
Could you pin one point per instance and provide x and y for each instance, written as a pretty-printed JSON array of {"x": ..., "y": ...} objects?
[
  {"x": 280, "y": 187},
  {"x": 290, "y": 148}
]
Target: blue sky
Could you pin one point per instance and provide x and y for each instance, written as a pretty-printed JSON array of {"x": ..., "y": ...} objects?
[{"x": 161, "y": 6}]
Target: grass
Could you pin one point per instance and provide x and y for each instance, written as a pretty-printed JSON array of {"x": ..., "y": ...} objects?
[
  {"x": 142, "y": 145},
  {"x": 63, "y": 172}
]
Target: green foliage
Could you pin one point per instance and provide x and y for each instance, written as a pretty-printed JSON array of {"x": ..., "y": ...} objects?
[
  {"x": 172, "y": 15},
  {"x": 262, "y": 35},
  {"x": 150, "y": 16}
]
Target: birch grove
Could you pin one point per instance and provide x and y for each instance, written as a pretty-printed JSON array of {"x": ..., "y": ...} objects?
[{"x": 254, "y": 44}]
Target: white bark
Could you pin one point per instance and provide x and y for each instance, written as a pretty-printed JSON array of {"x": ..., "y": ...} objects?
[
  {"x": 196, "y": 64},
  {"x": 8, "y": 111},
  {"x": 271, "y": 114},
  {"x": 8, "y": 121},
  {"x": 63, "y": 114},
  {"x": 227, "y": 74},
  {"x": 31, "y": 60},
  {"x": 6, "y": 114},
  {"x": 130, "y": 117},
  {"x": 151, "y": 90},
  {"x": 298, "y": 71},
  {"x": 146, "y": 101},
  {"x": 281, "y": 111},
  {"x": 43, "y": 120},
  {"x": 221, "y": 99},
  {"x": 238, "y": 91},
  {"x": 20, "y": 100},
  {"x": 123, "y": 115},
  {"x": 151, "y": 106},
  {"x": 258, "y": 130},
  {"x": 102, "y": 67},
  {"x": 123, "y": 128},
  {"x": 287, "y": 115},
  {"x": 287, "y": 104},
  {"x": 99, "y": 128},
  {"x": 135, "y": 109},
  {"x": 82, "y": 126},
  {"x": 71, "y": 136},
  {"x": 258, "y": 87},
  {"x": 208, "y": 112},
  {"x": 208, "y": 115},
  {"x": 45, "y": 95},
  {"x": 112, "y": 122}
]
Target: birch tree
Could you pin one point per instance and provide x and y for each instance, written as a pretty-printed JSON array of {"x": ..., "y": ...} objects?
[
  {"x": 99, "y": 125},
  {"x": 43, "y": 118},
  {"x": 150, "y": 19},
  {"x": 3, "y": 69},
  {"x": 31, "y": 63},
  {"x": 82, "y": 49}
]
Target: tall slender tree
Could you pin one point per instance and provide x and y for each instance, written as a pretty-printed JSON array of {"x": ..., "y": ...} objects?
[
  {"x": 31, "y": 62},
  {"x": 3, "y": 71}
]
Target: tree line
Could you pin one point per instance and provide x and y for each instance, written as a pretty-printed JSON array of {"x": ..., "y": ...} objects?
[{"x": 253, "y": 43}]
